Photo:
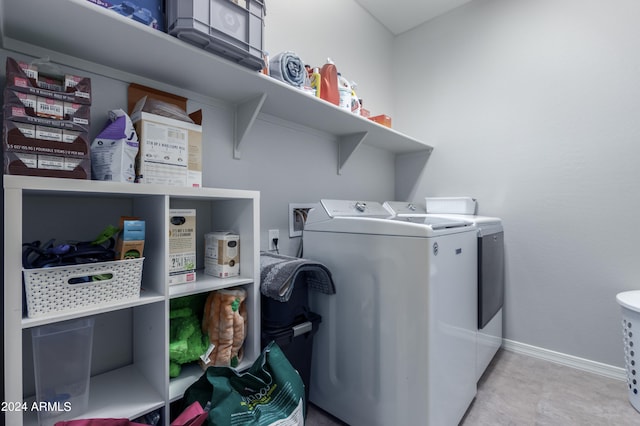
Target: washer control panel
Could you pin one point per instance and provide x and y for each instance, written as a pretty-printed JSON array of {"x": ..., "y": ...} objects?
[
  {"x": 405, "y": 208},
  {"x": 338, "y": 208}
]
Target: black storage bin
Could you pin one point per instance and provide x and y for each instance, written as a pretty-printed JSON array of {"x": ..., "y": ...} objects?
[
  {"x": 276, "y": 314},
  {"x": 296, "y": 342}
]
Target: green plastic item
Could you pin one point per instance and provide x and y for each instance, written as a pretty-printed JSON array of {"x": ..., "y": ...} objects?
[
  {"x": 105, "y": 235},
  {"x": 186, "y": 340}
]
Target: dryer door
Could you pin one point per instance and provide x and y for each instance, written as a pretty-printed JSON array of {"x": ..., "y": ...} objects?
[{"x": 490, "y": 276}]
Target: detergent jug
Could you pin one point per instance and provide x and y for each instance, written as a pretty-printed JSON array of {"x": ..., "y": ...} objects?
[{"x": 329, "y": 83}]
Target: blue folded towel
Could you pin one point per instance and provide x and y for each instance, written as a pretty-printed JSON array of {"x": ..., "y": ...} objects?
[{"x": 288, "y": 67}]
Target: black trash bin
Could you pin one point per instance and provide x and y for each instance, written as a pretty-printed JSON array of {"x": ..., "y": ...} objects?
[
  {"x": 292, "y": 325},
  {"x": 296, "y": 342},
  {"x": 276, "y": 314}
]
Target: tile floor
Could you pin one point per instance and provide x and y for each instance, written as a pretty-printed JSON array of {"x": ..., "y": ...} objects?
[{"x": 520, "y": 390}]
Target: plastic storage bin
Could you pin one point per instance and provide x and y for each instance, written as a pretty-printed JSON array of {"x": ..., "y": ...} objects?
[
  {"x": 62, "y": 367},
  {"x": 227, "y": 28},
  {"x": 276, "y": 314},
  {"x": 296, "y": 342},
  {"x": 60, "y": 289},
  {"x": 630, "y": 303}
]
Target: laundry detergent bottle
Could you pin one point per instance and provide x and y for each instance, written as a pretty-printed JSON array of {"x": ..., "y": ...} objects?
[
  {"x": 329, "y": 83},
  {"x": 316, "y": 81}
]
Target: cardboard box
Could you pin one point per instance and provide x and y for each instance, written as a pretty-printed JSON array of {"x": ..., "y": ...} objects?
[
  {"x": 170, "y": 150},
  {"x": 383, "y": 119},
  {"x": 130, "y": 244},
  {"x": 25, "y": 78},
  {"x": 182, "y": 245},
  {"x": 147, "y": 12},
  {"x": 222, "y": 254},
  {"x": 34, "y": 151}
]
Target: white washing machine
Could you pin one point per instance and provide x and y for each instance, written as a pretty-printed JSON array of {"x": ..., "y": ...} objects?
[
  {"x": 397, "y": 343},
  {"x": 490, "y": 275}
]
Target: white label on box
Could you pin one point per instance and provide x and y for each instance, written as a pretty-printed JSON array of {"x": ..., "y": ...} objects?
[
  {"x": 164, "y": 174},
  {"x": 49, "y": 162},
  {"x": 27, "y": 100},
  {"x": 182, "y": 277},
  {"x": 70, "y": 108},
  {"x": 69, "y": 136},
  {"x": 28, "y": 130},
  {"x": 70, "y": 164},
  {"x": 29, "y": 70},
  {"x": 165, "y": 144},
  {"x": 48, "y": 133},
  {"x": 29, "y": 160},
  {"x": 71, "y": 80},
  {"x": 50, "y": 108}
]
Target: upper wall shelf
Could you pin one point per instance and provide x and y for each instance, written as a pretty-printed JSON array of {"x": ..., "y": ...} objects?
[{"x": 94, "y": 35}]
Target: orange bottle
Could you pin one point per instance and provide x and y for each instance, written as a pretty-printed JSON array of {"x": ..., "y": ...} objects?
[{"x": 329, "y": 83}]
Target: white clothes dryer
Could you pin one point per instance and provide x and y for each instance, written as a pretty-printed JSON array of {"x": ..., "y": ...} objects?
[
  {"x": 397, "y": 344},
  {"x": 490, "y": 275}
]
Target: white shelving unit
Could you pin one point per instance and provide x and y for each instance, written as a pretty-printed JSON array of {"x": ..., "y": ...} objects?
[
  {"x": 134, "y": 380},
  {"x": 42, "y": 34}
]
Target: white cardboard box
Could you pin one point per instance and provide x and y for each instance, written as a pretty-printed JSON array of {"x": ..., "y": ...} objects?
[
  {"x": 222, "y": 254},
  {"x": 182, "y": 245},
  {"x": 170, "y": 150}
]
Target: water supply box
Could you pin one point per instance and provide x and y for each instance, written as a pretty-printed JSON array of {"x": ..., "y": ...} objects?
[
  {"x": 222, "y": 254},
  {"x": 170, "y": 150},
  {"x": 147, "y": 12},
  {"x": 182, "y": 245}
]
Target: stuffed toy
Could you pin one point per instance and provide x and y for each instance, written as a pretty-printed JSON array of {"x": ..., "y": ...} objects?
[
  {"x": 225, "y": 323},
  {"x": 186, "y": 342}
]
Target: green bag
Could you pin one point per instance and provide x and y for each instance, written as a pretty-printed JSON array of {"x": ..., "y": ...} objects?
[{"x": 270, "y": 393}]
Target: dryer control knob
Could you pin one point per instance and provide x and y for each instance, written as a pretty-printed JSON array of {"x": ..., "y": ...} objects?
[{"x": 360, "y": 206}]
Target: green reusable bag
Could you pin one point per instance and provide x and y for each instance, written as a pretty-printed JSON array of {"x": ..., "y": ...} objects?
[{"x": 270, "y": 393}]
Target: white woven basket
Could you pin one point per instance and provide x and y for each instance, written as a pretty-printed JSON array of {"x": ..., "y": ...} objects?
[{"x": 48, "y": 290}]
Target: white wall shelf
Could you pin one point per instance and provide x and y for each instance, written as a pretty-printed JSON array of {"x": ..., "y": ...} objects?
[
  {"x": 184, "y": 66},
  {"x": 135, "y": 380}
]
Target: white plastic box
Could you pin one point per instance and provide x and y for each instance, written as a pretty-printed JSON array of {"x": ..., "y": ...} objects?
[{"x": 62, "y": 367}]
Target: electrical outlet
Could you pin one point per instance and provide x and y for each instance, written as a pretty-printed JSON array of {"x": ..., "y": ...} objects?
[
  {"x": 273, "y": 234},
  {"x": 297, "y": 217}
]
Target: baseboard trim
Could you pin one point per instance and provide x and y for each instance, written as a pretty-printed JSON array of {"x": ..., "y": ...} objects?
[{"x": 567, "y": 360}]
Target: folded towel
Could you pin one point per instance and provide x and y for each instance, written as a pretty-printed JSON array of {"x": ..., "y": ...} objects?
[
  {"x": 278, "y": 274},
  {"x": 288, "y": 67}
]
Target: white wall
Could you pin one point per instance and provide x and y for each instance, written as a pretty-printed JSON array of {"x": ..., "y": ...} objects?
[
  {"x": 532, "y": 107},
  {"x": 341, "y": 30}
]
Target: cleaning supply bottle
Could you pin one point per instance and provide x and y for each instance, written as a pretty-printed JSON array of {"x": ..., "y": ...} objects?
[
  {"x": 329, "y": 83},
  {"x": 355, "y": 101},
  {"x": 316, "y": 81},
  {"x": 344, "y": 89}
]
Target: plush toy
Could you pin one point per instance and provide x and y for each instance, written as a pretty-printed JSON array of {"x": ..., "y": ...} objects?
[
  {"x": 186, "y": 342},
  {"x": 225, "y": 322}
]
